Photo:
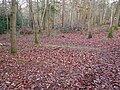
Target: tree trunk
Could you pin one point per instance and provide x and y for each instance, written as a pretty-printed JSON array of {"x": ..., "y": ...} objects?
[
  {"x": 33, "y": 23},
  {"x": 117, "y": 14},
  {"x": 91, "y": 16},
  {"x": 38, "y": 21},
  {"x": 13, "y": 26},
  {"x": 3, "y": 23},
  {"x": 43, "y": 16},
  {"x": 111, "y": 18},
  {"x": 30, "y": 14},
  {"x": 7, "y": 16},
  {"x": 62, "y": 12}
]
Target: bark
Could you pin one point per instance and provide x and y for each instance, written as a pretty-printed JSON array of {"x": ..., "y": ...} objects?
[
  {"x": 3, "y": 23},
  {"x": 53, "y": 15},
  {"x": 7, "y": 16},
  {"x": 48, "y": 14},
  {"x": 117, "y": 14},
  {"x": 38, "y": 21},
  {"x": 33, "y": 23},
  {"x": 43, "y": 18},
  {"x": 30, "y": 14},
  {"x": 13, "y": 26},
  {"x": 22, "y": 19},
  {"x": 62, "y": 12},
  {"x": 90, "y": 19}
]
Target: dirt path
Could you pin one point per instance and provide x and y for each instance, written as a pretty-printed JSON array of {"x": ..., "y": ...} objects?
[{"x": 71, "y": 47}]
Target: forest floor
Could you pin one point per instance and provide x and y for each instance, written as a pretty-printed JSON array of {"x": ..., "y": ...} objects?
[{"x": 65, "y": 62}]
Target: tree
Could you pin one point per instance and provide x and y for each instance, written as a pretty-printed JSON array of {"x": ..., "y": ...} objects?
[
  {"x": 62, "y": 12},
  {"x": 3, "y": 26},
  {"x": 7, "y": 16},
  {"x": 116, "y": 14},
  {"x": 32, "y": 21},
  {"x": 13, "y": 26},
  {"x": 31, "y": 14},
  {"x": 38, "y": 15},
  {"x": 43, "y": 13},
  {"x": 90, "y": 18}
]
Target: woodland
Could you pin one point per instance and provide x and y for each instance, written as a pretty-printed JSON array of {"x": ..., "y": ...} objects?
[{"x": 59, "y": 44}]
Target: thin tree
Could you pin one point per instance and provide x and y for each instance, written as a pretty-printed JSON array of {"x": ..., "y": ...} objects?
[
  {"x": 38, "y": 15},
  {"x": 32, "y": 21},
  {"x": 30, "y": 14},
  {"x": 90, "y": 18},
  {"x": 3, "y": 23},
  {"x": 7, "y": 17},
  {"x": 62, "y": 12},
  {"x": 116, "y": 14}
]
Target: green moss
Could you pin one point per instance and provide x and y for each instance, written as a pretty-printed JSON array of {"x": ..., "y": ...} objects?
[
  {"x": 36, "y": 38},
  {"x": 36, "y": 41},
  {"x": 36, "y": 44},
  {"x": 89, "y": 35},
  {"x": 13, "y": 51},
  {"x": 114, "y": 27},
  {"x": 110, "y": 35}
]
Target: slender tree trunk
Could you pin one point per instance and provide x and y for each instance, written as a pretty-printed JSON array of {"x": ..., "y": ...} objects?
[
  {"x": 53, "y": 16},
  {"x": 38, "y": 16},
  {"x": 35, "y": 31},
  {"x": 91, "y": 17},
  {"x": 22, "y": 19},
  {"x": 83, "y": 21},
  {"x": 7, "y": 16},
  {"x": 89, "y": 25},
  {"x": 30, "y": 14},
  {"x": 104, "y": 16},
  {"x": 43, "y": 16},
  {"x": 116, "y": 14},
  {"x": 13, "y": 26},
  {"x": 33, "y": 23},
  {"x": 111, "y": 18},
  {"x": 48, "y": 18},
  {"x": 3, "y": 23},
  {"x": 62, "y": 12}
]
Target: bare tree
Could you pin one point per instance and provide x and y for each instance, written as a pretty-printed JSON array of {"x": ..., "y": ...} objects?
[
  {"x": 32, "y": 21},
  {"x": 13, "y": 26},
  {"x": 62, "y": 12},
  {"x": 30, "y": 14},
  {"x": 3, "y": 23}
]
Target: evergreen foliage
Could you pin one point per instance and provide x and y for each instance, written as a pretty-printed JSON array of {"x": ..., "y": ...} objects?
[{"x": 7, "y": 14}]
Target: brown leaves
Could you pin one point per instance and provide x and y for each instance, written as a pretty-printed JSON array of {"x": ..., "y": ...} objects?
[{"x": 57, "y": 68}]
